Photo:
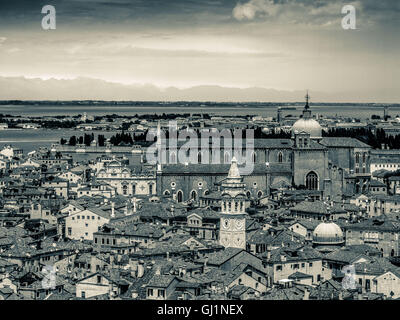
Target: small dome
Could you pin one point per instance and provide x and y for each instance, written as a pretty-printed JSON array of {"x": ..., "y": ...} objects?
[
  {"x": 310, "y": 126},
  {"x": 328, "y": 234}
]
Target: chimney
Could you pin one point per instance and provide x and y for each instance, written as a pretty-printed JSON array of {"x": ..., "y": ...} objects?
[
  {"x": 112, "y": 210},
  {"x": 134, "y": 204},
  {"x": 268, "y": 255},
  {"x": 205, "y": 265},
  {"x": 140, "y": 270}
]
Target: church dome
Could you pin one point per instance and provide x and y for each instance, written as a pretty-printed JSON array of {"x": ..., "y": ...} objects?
[
  {"x": 328, "y": 234},
  {"x": 310, "y": 126},
  {"x": 307, "y": 123}
]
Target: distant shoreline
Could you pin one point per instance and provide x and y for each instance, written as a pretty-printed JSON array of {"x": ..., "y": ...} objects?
[{"x": 183, "y": 104}]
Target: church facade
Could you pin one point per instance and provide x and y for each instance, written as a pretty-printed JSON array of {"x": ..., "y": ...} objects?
[{"x": 306, "y": 161}]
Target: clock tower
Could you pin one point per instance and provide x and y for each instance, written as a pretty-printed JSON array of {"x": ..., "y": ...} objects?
[{"x": 232, "y": 226}]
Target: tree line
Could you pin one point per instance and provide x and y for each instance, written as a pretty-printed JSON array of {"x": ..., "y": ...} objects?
[{"x": 375, "y": 140}]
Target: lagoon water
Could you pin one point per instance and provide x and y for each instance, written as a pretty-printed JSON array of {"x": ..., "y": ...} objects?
[
  {"x": 30, "y": 140},
  {"x": 358, "y": 111}
]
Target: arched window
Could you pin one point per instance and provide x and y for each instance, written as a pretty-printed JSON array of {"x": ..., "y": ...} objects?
[
  {"x": 179, "y": 196},
  {"x": 124, "y": 189},
  {"x": 254, "y": 157},
  {"x": 150, "y": 188},
  {"x": 193, "y": 195},
  {"x": 206, "y": 192},
  {"x": 248, "y": 194},
  {"x": 199, "y": 157},
  {"x": 227, "y": 157},
  {"x": 134, "y": 189},
  {"x": 166, "y": 193},
  {"x": 280, "y": 157},
  {"x": 312, "y": 181},
  {"x": 357, "y": 157},
  {"x": 259, "y": 194}
]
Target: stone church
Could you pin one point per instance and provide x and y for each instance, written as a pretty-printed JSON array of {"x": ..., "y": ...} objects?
[{"x": 331, "y": 166}]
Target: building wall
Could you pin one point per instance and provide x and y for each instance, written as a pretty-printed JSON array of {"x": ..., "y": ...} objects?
[
  {"x": 91, "y": 287},
  {"x": 288, "y": 268},
  {"x": 387, "y": 283},
  {"x": 83, "y": 228},
  {"x": 383, "y": 241},
  {"x": 249, "y": 281},
  {"x": 307, "y": 160}
]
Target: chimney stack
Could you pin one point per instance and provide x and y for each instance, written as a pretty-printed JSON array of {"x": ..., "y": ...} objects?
[
  {"x": 306, "y": 294},
  {"x": 112, "y": 210}
]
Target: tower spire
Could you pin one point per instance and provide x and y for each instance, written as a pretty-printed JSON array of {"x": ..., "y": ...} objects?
[{"x": 307, "y": 100}]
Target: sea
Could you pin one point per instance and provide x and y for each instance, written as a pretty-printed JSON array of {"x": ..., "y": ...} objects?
[{"x": 32, "y": 139}]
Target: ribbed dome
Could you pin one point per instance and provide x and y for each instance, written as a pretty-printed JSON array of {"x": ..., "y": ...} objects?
[
  {"x": 328, "y": 234},
  {"x": 310, "y": 126}
]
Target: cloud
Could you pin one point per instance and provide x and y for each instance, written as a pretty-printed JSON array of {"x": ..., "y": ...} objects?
[
  {"x": 326, "y": 13},
  {"x": 250, "y": 9},
  {"x": 307, "y": 12},
  {"x": 2, "y": 40}
]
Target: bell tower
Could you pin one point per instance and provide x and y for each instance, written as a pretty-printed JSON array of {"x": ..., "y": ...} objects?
[{"x": 232, "y": 227}]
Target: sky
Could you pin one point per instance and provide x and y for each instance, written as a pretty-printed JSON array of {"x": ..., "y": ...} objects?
[{"x": 273, "y": 45}]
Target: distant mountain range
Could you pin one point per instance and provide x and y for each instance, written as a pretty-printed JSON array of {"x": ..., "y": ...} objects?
[{"x": 20, "y": 88}]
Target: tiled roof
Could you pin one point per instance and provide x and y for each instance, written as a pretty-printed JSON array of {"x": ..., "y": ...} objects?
[
  {"x": 277, "y": 238},
  {"x": 303, "y": 253},
  {"x": 317, "y": 207},
  {"x": 375, "y": 225},
  {"x": 220, "y": 257},
  {"x": 343, "y": 142},
  {"x": 299, "y": 275},
  {"x": 222, "y": 169},
  {"x": 376, "y": 183},
  {"x": 160, "y": 281},
  {"x": 345, "y": 255}
]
